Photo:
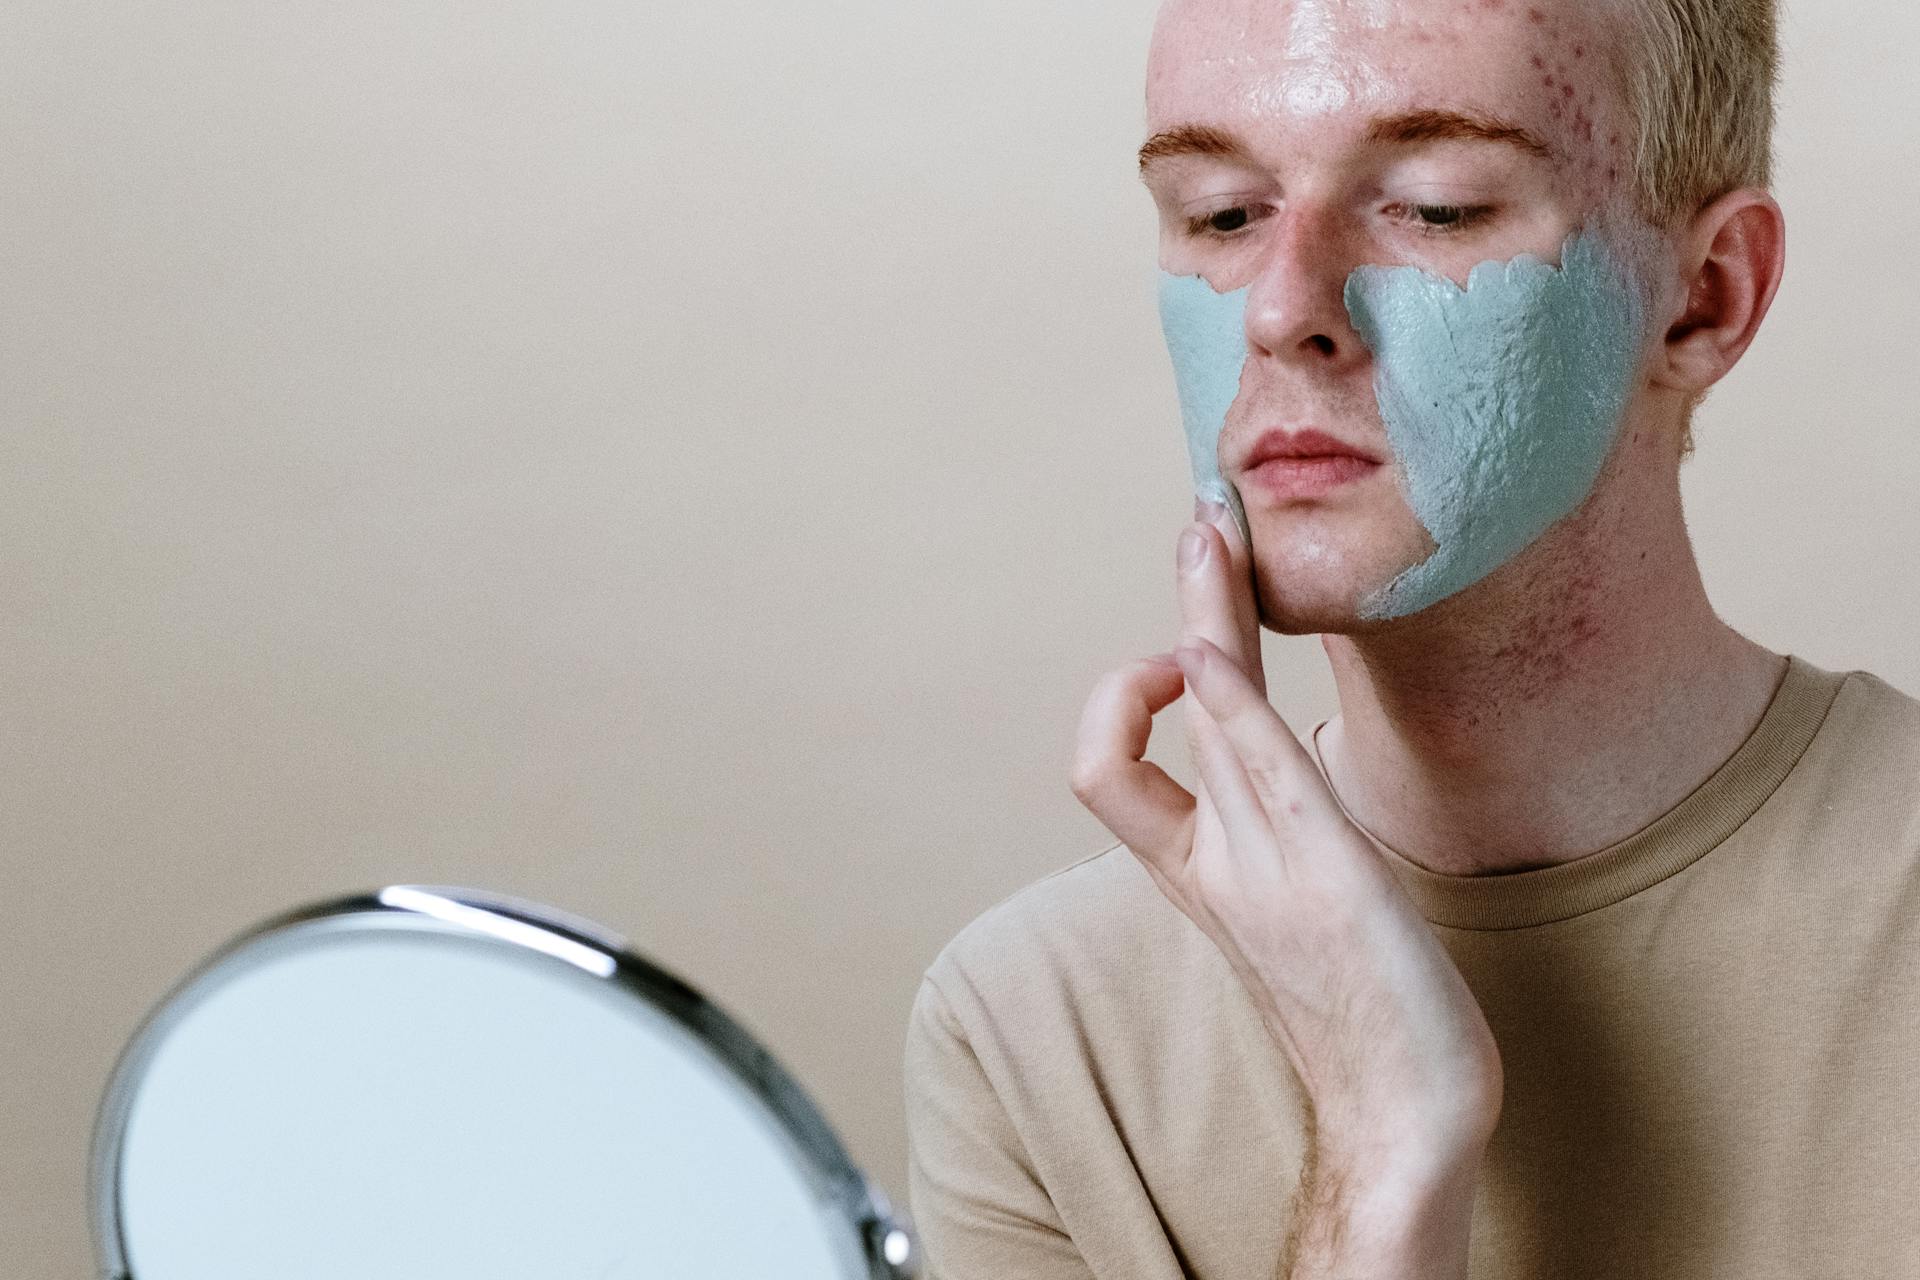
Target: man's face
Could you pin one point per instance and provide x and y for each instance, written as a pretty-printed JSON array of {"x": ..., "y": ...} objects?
[{"x": 1431, "y": 133}]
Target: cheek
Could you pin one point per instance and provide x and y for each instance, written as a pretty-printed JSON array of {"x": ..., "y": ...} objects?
[
  {"x": 1206, "y": 336},
  {"x": 1501, "y": 401}
]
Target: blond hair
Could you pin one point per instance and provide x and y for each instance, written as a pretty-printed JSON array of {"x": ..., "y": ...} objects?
[{"x": 1698, "y": 79}]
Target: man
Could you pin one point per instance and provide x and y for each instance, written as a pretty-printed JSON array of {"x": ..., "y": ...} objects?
[{"x": 1585, "y": 939}]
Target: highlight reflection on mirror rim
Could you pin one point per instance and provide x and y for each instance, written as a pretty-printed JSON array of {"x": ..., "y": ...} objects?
[{"x": 875, "y": 1229}]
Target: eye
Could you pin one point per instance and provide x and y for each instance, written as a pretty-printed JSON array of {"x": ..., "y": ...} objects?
[
  {"x": 1221, "y": 224},
  {"x": 1427, "y": 219},
  {"x": 1446, "y": 219}
]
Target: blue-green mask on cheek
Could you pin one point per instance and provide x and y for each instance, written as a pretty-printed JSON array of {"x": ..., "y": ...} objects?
[
  {"x": 1206, "y": 335},
  {"x": 1500, "y": 400}
]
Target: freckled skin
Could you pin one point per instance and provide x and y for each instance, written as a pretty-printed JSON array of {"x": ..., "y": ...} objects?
[
  {"x": 1580, "y": 690},
  {"x": 1300, "y": 80}
]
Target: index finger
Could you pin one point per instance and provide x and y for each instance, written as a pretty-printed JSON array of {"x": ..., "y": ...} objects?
[
  {"x": 1133, "y": 797},
  {"x": 1241, "y": 591},
  {"x": 1280, "y": 773}
]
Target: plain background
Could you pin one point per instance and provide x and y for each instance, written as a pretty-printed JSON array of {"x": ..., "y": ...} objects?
[{"x": 688, "y": 463}]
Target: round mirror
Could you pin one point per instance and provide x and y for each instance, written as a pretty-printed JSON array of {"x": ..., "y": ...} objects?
[{"x": 430, "y": 1082}]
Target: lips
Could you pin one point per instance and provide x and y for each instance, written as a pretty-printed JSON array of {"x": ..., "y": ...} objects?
[{"x": 1308, "y": 442}]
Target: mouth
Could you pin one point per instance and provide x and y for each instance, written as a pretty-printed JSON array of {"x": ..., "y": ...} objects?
[{"x": 1304, "y": 464}]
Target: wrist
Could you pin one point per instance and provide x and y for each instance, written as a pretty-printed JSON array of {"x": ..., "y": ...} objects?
[
  {"x": 1407, "y": 1216},
  {"x": 1412, "y": 1199},
  {"x": 1416, "y": 1163}
]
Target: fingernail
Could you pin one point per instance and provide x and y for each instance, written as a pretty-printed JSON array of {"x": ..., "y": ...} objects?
[
  {"x": 1193, "y": 549},
  {"x": 1209, "y": 512}
]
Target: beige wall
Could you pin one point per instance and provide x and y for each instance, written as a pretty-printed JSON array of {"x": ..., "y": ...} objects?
[{"x": 684, "y": 462}]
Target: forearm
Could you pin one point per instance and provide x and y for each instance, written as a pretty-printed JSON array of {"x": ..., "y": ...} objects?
[{"x": 1356, "y": 1221}]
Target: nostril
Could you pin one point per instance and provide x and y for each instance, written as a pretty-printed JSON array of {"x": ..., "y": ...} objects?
[{"x": 1322, "y": 343}]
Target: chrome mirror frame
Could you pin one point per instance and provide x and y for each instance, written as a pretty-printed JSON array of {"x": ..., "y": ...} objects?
[{"x": 885, "y": 1235}]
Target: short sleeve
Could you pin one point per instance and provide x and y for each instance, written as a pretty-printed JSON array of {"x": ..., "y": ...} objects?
[{"x": 977, "y": 1206}]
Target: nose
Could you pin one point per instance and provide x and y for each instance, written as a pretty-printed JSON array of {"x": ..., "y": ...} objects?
[{"x": 1296, "y": 306}]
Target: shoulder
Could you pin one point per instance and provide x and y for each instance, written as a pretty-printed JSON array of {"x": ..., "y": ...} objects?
[
  {"x": 1869, "y": 692},
  {"x": 1858, "y": 777},
  {"x": 1873, "y": 724},
  {"x": 1077, "y": 937},
  {"x": 1088, "y": 905}
]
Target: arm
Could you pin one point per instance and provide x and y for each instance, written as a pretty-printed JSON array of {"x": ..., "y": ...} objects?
[
  {"x": 1405, "y": 1226},
  {"x": 978, "y": 1209},
  {"x": 1400, "y": 1068}
]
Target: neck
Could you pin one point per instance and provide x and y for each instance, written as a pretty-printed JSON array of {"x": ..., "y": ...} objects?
[{"x": 1553, "y": 709}]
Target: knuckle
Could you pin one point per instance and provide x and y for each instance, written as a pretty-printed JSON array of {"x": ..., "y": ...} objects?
[
  {"x": 1261, "y": 772},
  {"x": 1086, "y": 780}
]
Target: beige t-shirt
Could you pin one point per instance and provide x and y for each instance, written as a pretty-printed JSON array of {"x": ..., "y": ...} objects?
[{"x": 1710, "y": 1035}]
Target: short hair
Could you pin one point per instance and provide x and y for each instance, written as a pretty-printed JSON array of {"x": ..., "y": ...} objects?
[{"x": 1698, "y": 80}]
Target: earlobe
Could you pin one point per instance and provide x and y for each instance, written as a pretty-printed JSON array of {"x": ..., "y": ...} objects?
[{"x": 1732, "y": 272}]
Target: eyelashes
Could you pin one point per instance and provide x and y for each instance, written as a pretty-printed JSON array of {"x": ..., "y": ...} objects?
[{"x": 1426, "y": 219}]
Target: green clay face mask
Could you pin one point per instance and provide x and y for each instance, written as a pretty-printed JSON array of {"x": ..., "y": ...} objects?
[
  {"x": 1501, "y": 400},
  {"x": 1206, "y": 335}
]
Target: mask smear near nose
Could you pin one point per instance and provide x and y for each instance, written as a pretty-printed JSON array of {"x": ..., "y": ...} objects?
[
  {"x": 1500, "y": 400},
  {"x": 1206, "y": 334}
]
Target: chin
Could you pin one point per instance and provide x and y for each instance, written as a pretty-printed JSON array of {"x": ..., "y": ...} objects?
[
  {"x": 1316, "y": 588},
  {"x": 1310, "y": 606},
  {"x": 1297, "y": 617}
]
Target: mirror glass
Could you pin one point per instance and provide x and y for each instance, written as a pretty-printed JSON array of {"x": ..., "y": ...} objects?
[{"x": 385, "y": 1093}]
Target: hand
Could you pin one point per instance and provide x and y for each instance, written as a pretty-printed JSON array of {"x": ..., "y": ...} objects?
[{"x": 1395, "y": 1054}]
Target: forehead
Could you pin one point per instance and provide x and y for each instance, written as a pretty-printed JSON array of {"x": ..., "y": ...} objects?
[{"x": 1296, "y": 62}]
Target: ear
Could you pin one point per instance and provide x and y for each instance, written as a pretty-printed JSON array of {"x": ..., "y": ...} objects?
[{"x": 1731, "y": 260}]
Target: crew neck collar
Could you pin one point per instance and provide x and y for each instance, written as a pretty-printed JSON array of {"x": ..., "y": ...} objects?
[{"x": 1685, "y": 833}]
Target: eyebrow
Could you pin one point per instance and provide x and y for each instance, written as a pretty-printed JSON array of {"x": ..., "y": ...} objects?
[{"x": 1425, "y": 125}]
